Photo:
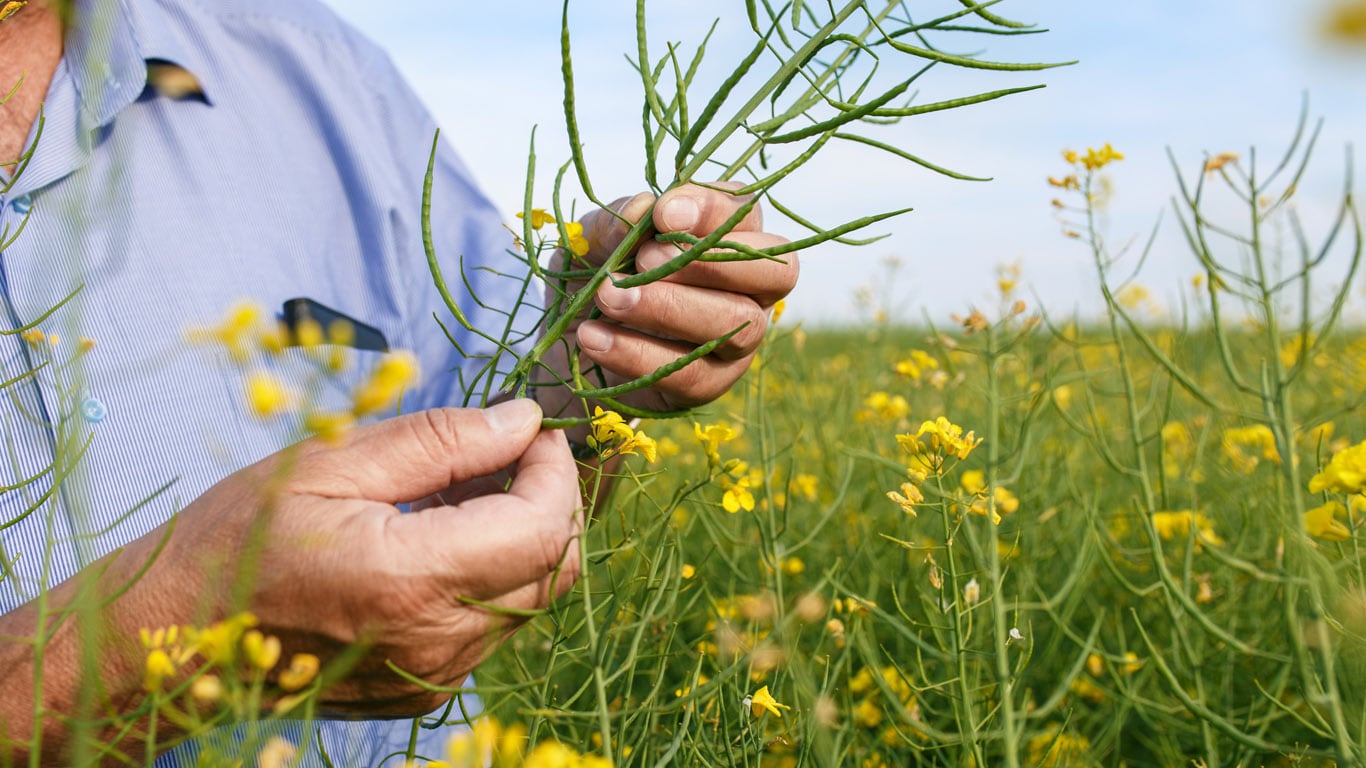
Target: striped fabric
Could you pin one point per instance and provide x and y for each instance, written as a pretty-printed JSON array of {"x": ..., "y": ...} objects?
[{"x": 296, "y": 170}]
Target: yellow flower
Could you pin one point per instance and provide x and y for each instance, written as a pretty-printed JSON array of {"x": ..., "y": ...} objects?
[
  {"x": 277, "y": 753},
  {"x": 1096, "y": 159},
  {"x": 218, "y": 642},
  {"x": 1257, "y": 437},
  {"x": 711, "y": 437},
  {"x": 238, "y": 332},
  {"x": 880, "y": 405},
  {"x": 577, "y": 243},
  {"x": 1345, "y": 22},
  {"x": 779, "y": 307},
  {"x": 11, "y": 7},
  {"x": 1323, "y": 522},
  {"x": 909, "y": 497},
  {"x": 1055, "y": 748},
  {"x": 391, "y": 375},
  {"x": 266, "y": 396},
  {"x": 303, "y": 667},
  {"x": 611, "y": 435},
  {"x": 1220, "y": 160},
  {"x": 539, "y": 217},
  {"x": 329, "y": 425},
  {"x": 1005, "y": 503},
  {"x": 762, "y": 701},
  {"x": 167, "y": 650},
  {"x": 944, "y": 439},
  {"x": 308, "y": 333},
  {"x": 915, "y": 366},
  {"x": 1095, "y": 664},
  {"x": 1172, "y": 524},
  {"x": 1345, "y": 473},
  {"x": 207, "y": 689},
  {"x": 868, "y": 714},
  {"x": 34, "y": 336},
  {"x": 688, "y": 571},
  {"x": 737, "y": 495},
  {"x": 159, "y": 667},
  {"x": 260, "y": 651},
  {"x": 806, "y": 485}
]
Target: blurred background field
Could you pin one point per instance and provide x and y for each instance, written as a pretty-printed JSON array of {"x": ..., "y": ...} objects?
[
  {"x": 1003, "y": 536},
  {"x": 1138, "y": 614}
]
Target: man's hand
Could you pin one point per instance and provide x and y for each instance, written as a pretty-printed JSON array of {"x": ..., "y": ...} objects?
[
  {"x": 651, "y": 325},
  {"x": 313, "y": 540},
  {"x": 340, "y": 565}
]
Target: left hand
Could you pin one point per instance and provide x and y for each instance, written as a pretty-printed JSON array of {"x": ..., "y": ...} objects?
[{"x": 649, "y": 326}]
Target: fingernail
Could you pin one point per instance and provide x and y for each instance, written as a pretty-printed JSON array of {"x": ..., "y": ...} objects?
[
  {"x": 513, "y": 417},
  {"x": 680, "y": 214},
  {"x": 618, "y": 299},
  {"x": 594, "y": 338}
]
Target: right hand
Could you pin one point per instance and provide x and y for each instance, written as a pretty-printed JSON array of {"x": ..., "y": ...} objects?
[{"x": 340, "y": 565}]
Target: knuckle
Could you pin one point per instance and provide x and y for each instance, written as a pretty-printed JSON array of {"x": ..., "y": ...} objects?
[
  {"x": 553, "y": 548},
  {"x": 751, "y": 335},
  {"x": 437, "y": 431}
]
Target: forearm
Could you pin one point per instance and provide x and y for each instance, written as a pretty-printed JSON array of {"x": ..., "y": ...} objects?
[{"x": 74, "y": 666}]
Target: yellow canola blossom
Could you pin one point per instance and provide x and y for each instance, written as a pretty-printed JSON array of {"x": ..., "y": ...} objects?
[
  {"x": 762, "y": 701},
  {"x": 1246, "y": 447},
  {"x": 1003, "y": 501},
  {"x": 1322, "y": 522},
  {"x": 881, "y": 406},
  {"x": 936, "y": 441},
  {"x": 266, "y": 396},
  {"x": 737, "y": 495},
  {"x": 539, "y": 217},
  {"x": 1171, "y": 525},
  {"x": 611, "y": 435},
  {"x": 712, "y": 437},
  {"x": 576, "y": 242},
  {"x": 394, "y": 372},
  {"x": 1345, "y": 473},
  {"x": 916, "y": 365}
]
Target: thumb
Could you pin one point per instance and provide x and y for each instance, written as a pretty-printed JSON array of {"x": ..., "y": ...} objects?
[{"x": 413, "y": 456}]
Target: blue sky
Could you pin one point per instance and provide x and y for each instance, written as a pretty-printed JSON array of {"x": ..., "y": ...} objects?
[{"x": 1213, "y": 76}]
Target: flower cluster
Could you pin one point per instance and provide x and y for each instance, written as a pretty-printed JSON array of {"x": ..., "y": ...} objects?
[
  {"x": 883, "y": 407},
  {"x": 253, "y": 341},
  {"x": 488, "y": 744},
  {"x": 712, "y": 437},
  {"x": 1177, "y": 525},
  {"x": 1246, "y": 447},
  {"x": 936, "y": 441},
  {"x": 573, "y": 239},
  {"x": 996, "y": 504},
  {"x": 218, "y": 657},
  {"x": 611, "y": 435}
]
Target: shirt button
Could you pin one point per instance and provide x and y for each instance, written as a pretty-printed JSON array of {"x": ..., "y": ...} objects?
[
  {"x": 22, "y": 204},
  {"x": 93, "y": 411}
]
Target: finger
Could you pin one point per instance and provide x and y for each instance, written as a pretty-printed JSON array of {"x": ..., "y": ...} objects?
[
  {"x": 763, "y": 279},
  {"x": 683, "y": 312},
  {"x": 701, "y": 210},
  {"x": 492, "y": 545},
  {"x": 606, "y": 228},
  {"x": 416, "y": 455},
  {"x": 631, "y": 354}
]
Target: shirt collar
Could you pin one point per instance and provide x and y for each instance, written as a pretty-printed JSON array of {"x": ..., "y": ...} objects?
[{"x": 108, "y": 46}]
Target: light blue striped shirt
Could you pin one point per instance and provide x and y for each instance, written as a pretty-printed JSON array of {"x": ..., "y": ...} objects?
[{"x": 297, "y": 174}]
